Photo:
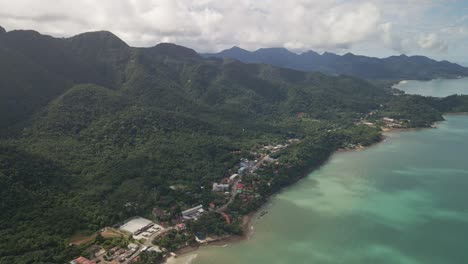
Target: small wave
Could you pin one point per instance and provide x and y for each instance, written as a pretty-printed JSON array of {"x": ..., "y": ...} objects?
[
  {"x": 219, "y": 246},
  {"x": 191, "y": 258},
  {"x": 183, "y": 259}
]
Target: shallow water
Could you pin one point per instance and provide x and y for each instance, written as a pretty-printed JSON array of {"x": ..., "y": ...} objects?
[
  {"x": 401, "y": 201},
  {"x": 437, "y": 88}
]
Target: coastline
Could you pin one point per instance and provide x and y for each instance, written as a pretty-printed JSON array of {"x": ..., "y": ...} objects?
[
  {"x": 457, "y": 113},
  {"x": 247, "y": 230},
  {"x": 248, "y": 220},
  {"x": 247, "y": 225}
]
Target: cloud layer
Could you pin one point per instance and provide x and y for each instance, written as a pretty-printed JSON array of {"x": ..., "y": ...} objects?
[{"x": 211, "y": 25}]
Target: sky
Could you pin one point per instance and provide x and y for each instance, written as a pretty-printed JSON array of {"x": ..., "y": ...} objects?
[{"x": 380, "y": 28}]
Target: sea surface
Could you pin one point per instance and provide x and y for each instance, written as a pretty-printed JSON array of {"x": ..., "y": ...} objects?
[
  {"x": 436, "y": 88},
  {"x": 403, "y": 201}
]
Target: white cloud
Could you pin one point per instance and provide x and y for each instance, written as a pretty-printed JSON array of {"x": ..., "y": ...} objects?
[
  {"x": 432, "y": 42},
  {"x": 204, "y": 25},
  {"x": 390, "y": 38},
  {"x": 212, "y": 25}
]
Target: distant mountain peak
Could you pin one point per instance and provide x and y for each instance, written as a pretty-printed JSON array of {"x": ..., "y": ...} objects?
[
  {"x": 100, "y": 39},
  {"x": 172, "y": 49},
  {"x": 2, "y": 30},
  {"x": 278, "y": 50},
  {"x": 237, "y": 48},
  {"x": 330, "y": 54},
  {"x": 310, "y": 53},
  {"x": 233, "y": 52}
]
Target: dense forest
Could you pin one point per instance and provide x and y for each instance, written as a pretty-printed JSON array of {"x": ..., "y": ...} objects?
[{"x": 94, "y": 131}]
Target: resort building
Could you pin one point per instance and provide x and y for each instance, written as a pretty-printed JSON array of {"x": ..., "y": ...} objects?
[
  {"x": 193, "y": 213},
  {"x": 220, "y": 187}
]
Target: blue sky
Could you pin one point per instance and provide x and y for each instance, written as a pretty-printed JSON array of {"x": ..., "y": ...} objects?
[{"x": 435, "y": 28}]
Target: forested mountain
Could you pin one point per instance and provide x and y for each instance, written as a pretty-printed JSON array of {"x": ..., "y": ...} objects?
[
  {"x": 391, "y": 68},
  {"x": 94, "y": 131}
]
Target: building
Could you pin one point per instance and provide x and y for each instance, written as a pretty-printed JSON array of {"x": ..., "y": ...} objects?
[
  {"x": 242, "y": 171},
  {"x": 233, "y": 177},
  {"x": 82, "y": 260},
  {"x": 140, "y": 227},
  {"x": 220, "y": 187},
  {"x": 193, "y": 213},
  {"x": 155, "y": 249},
  {"x": 133, "y": 246}
]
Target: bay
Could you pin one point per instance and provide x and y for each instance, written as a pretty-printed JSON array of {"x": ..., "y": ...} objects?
[{"x": 436, "y": 88}]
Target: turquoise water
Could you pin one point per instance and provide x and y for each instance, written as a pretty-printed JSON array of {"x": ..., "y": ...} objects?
[
  {"x": 401, "y": 201},
  {"x": 437, "y": 88}
]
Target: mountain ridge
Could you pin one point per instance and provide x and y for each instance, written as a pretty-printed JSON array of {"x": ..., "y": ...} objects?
[{"x": 392, "y": 67}]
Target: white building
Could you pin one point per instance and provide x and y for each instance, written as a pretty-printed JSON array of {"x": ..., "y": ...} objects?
[
  {"x": 193, "y": 213},
  {"x": 139, "y": 227},
  {"x": 220, "y": 187}
]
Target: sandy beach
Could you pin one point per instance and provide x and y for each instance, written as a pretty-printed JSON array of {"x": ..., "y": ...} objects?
[{"x": 247, "y": 228}]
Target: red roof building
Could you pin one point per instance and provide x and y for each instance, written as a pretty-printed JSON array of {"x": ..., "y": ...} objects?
[{"x": 82, "y": 260}]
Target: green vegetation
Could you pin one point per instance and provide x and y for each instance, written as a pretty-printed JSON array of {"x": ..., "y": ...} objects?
[
  {"x": 94, "y": 132},
  {"x": 108, "y": 243},
  {"x": 150, "y": 257},
  {"x": 173, "y": 240},
  {"x": 213, "y": 223}
]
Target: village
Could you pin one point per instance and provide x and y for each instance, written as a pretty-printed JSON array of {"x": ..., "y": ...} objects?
[
  {"x": 140, "y": 234},
  {"x": 385, "y": 122}
]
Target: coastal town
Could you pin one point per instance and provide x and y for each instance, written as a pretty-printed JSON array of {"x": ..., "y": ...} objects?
[{"x": 138, "y": 235}]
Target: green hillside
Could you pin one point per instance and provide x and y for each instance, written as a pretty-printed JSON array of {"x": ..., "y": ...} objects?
[{"x": 94, "y": 131}]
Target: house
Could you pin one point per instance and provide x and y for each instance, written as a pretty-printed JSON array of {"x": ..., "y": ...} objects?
[
  {"x": 155, "y": 249},
  {"x": 242, "y": 171},
  {"x": 133, "y": 246},
  {"x": 246, "y": 163},
  {"x": 220, "y": 187},
  {"x": 82, "y": 260},
  {"x": 193, "y": 213},
  {"x": 233, "y": 177}
]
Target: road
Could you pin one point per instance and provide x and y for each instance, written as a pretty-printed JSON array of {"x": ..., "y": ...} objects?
[
  {"x": 232, "y": 197},
  {"x": 148, "y": 243},
  {"x": 234, "y": 185}
]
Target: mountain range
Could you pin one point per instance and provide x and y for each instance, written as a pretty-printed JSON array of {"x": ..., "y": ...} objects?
[
  {"x": 94, "y": 131},
  {"x": 392, "y": 68},
  {"x": 36, "y": 69}
]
